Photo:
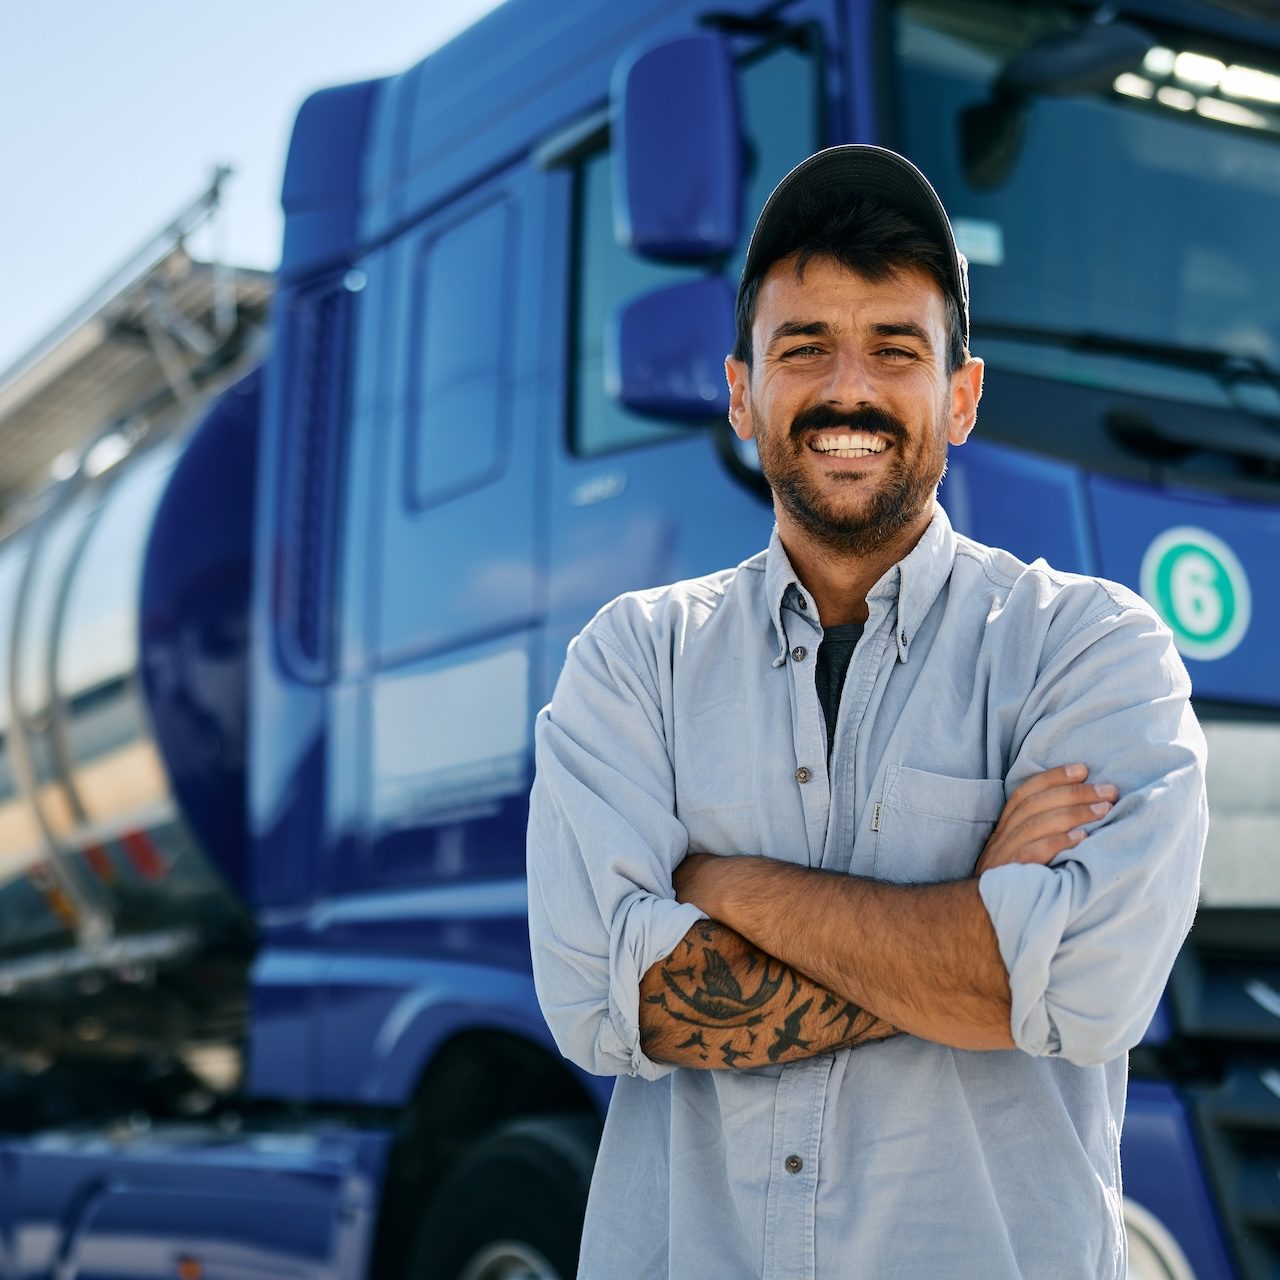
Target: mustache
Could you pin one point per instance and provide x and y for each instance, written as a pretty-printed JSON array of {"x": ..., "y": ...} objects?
[{"x": 823, "y": 417}]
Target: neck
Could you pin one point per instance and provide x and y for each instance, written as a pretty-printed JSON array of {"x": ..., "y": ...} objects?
[{"x": 838, "y": 581}]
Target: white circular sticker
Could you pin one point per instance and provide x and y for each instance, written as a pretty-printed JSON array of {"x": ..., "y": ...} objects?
[{"x": 1199, "y": 588}]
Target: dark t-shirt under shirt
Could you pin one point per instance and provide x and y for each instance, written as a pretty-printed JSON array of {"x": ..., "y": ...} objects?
[{"x": 838, "y": 644}]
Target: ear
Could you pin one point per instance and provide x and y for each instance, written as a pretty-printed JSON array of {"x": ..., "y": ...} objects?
[
  {"x": 739, "y": 377},
  {"x": 966, "y": 391}
]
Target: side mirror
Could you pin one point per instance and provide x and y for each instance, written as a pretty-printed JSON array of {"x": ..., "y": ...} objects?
[
  {"x": 665, "y": 350},
  {"x": 1085, "y": 60},
  {"x": 677, "y": 150},
  {"x": 1082, "y": 61}
]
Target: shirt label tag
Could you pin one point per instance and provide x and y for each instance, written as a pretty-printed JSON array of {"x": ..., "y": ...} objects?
[{"x": 875, "y": 816}]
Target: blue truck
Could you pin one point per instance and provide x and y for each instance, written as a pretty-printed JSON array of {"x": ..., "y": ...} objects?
[{"x": 265, "y": 721}]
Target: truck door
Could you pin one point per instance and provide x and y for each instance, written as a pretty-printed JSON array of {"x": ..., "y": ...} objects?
[{"x": 452, "y": 592}]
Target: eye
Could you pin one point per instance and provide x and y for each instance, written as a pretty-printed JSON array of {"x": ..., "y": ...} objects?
[
  {"x": 809, "y": 349},
  {"x": 897, "y": 353}
]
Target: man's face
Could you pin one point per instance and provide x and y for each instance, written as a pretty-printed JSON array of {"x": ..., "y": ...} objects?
[{"x": 850, "y": 402}]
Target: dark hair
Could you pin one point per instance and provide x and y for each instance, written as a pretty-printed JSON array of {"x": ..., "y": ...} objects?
[{"x": 865, "y": 236}]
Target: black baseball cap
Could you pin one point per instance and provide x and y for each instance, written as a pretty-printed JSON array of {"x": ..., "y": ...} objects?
[{"x": 828, "y": 177}]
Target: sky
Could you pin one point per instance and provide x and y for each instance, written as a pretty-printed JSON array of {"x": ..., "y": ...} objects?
[{"x": 116, "y": 115}]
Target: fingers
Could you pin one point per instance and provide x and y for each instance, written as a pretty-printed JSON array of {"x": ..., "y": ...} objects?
[
  {"x": 1039, "y": 783},
  {"x": 1088, "y": 803},
  {"x": 1057, "y": 789},
  {"x": 1049, "y": 778},
  {"x": 1047, "y": 815},
  {"x": 1043, "y": 836}
]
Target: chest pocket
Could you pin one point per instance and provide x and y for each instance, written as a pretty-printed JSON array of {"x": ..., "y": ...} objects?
[{"x": 933, "y": 827}]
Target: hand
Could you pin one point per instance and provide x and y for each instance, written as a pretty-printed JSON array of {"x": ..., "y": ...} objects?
[{"x": 1045, "y": 816}]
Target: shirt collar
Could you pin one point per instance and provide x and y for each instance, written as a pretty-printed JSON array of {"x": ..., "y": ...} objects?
[
  {"x": 914, "y": 582},
  {"x": 783, "y": 587}
]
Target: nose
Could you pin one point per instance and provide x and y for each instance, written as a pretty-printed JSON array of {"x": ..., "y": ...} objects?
[{"x": 850, "y": 381}]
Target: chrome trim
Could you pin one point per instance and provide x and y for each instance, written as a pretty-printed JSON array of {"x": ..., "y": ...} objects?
[
  {"x": 118, "y": 952},
  {"x": 1264, "y": 995}
]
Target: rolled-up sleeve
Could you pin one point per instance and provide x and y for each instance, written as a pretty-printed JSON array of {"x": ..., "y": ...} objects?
[
  {"x": 603, "y": 843},
  {"x": 1089, "y": 940}
]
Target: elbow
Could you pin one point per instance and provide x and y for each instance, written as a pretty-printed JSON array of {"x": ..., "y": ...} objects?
[
  {"x": 1100, "y": 1046},
  {"x": 1086, "y": 1040},
  {"x": 579, "y": 1034},
  {"x": 583, "y": 1053},
  {"x": 1088, "y": 1006},
  {"x": 590, "y": 1039},
  {"x": 573, "y": 994},
  {"x": 1091, "y": 1055},
  {"x": 1086, "y": 1020}
]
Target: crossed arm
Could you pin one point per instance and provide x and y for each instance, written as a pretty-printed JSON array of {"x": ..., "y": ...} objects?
[
  {"x": 797, "y": 962},
  {"x": 719, "y": 1001}
]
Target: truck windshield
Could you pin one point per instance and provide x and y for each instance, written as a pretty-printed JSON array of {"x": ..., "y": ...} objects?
[{"x": 1143, "y": 210}]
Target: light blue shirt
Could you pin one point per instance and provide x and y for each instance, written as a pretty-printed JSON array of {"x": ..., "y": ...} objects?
[{"x": 684, "y": 720}]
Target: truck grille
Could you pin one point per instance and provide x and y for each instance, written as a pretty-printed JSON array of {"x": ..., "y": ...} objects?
[{"x": 1226, "y": 995}]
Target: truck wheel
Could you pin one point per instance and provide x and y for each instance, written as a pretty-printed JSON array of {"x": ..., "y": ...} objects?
[{"x": 513, "y": 1210}]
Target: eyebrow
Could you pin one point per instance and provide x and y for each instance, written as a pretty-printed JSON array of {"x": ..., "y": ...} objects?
[
  {"x": 801, "y": 329},
  {"x": 904, "y": 329}
]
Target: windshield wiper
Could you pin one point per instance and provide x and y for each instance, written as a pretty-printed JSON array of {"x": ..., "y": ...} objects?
[
  {"x": 1231, "y": 368},
  {"x": 1255, "y": 437}
]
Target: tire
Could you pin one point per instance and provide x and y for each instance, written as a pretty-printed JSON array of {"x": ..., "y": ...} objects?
[{"x": 513, "y": 1208}]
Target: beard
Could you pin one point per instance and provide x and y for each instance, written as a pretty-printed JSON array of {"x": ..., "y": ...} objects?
[{"x": 896, "y": 499}]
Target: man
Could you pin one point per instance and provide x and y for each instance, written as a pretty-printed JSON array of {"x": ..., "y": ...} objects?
[{"x": 864, "y": 863}]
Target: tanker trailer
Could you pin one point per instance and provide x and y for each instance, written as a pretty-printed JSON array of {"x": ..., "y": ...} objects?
[{"x": 124, "y": 942}]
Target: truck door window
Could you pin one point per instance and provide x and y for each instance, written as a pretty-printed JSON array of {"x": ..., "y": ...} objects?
[
  {"x": 463, "y": 343},
  {"x": 779, "y": 96}
]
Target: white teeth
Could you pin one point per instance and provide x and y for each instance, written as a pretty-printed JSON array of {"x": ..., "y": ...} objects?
[{"x": 858, "y": 445}]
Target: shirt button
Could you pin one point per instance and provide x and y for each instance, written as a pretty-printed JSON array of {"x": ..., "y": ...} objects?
[
  {"x": 803, "y": 774},
  {"x": 793, "y": 1164},
  {"x": 799, "y": 653},
  {"x": 802, "y": 602}
]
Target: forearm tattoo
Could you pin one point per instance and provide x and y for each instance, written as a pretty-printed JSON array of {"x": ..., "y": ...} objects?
[{"x": 717, "y": 982}]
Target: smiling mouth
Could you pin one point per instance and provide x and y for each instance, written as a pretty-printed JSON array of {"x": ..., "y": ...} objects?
[{"x": 848, "y": 444}]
